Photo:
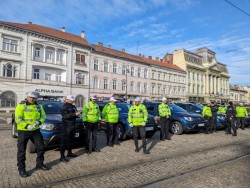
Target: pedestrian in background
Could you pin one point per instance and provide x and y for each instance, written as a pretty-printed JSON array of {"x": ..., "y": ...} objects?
[
  {"x": 214, "y": 110},
  {"x": 111, "y": 114},
  {"x": 165, "y": 114},
  {"x": 137, "y": 118},
  {"x": 69, "y": 114},
  {"x": 231, "y": 118},
  {"x": 28, "y": 116},
  {"x": 91, "y": 116},
  {"x": 207, "y": 115},
  {"x": 241, "y": 114}
]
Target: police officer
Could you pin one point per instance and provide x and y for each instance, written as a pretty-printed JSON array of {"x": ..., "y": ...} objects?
[
  {"x": 137, "y": 118},
  {"x": 214, "y": 110},
  {"x": 241, "y": 114},
  {"x": 28, "y": 116},
  {"x": 230, "y": 118},
  {"x": 111, "y": 114},
  {"x": 91, "y": 117},
  {"x": 207, "y": 115},
  {"x": 69, "y": 114},
  {"x": 222, "y": 109},
  {"x": 164, "y": 113}
]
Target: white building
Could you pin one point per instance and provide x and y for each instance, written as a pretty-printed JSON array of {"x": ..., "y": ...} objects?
[
  {"x": 38, "y": 58},
  {"x": 238, "y": 94}
]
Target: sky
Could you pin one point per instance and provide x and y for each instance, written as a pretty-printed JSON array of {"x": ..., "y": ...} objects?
[{"x": 149, "y": 27}]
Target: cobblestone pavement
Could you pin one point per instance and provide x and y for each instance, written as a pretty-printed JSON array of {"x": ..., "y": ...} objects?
[{"x": 187, "y": 158}]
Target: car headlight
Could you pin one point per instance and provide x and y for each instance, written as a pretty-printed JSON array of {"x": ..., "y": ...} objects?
[
  {"x": 221, "y": 117},
  {"x": 188, "y": 118},
  {"x": 47, "y": 126}
]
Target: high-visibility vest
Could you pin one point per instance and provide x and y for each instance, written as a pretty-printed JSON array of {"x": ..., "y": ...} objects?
[
  {"x": 91, "y": 112},
  {"x": 137, "y": 114},
  {"x": 111, "y": 113}
]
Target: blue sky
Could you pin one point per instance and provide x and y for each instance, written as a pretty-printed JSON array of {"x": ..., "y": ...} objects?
[{"x": 149, "y": 27}]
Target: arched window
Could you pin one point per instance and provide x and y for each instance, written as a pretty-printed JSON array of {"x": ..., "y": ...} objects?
[
  {"x": 8, "y": 99},
  {"x": 9, "y": 70},
  {"x": 123, "y": 69},
  {"x": 105, "y": 83},
  {"x": 95, "y": 82},
  {"x": 145, "y": 73},
  {"x": 132, "y": 71},
  {"x": 139, "y": 87},
  {"x": 96, "y": 65},
  {"x": 114, "y": 84},
  {"x": 145, "y": 88},
  {"x": 106, "y": 67},
  {"x": 139, "y": 72},
  {"x": 114, "y": 68},
  {"x": 79, "y": 101},
  {"x": 123, "y": 85}
]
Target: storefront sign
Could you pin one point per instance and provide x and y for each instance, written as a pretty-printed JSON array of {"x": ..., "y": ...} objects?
[{"x": 49, "y": 91}]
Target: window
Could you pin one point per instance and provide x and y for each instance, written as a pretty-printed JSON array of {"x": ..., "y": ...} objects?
[
  {"x": 159, "y": 76},
  {"x": 47, "y": 76},
  {"x": 8, "y": 99},
  {"x": 132, "y": 71},
  {"x": 139, "y": 87},
  {"x": 105, "y": 84},
  {"x": 96, "y": 65},
  {"x": 95, "y": 83},
  {"x": 36, "y": 74},
  {"x": 115, "y": 68},
  {"x": 58, "y": 77},
  {"x": 153, "y": 89},
  {"x": 80, "y": 59},
  {"x": 79, "y": 101},
  {"x": 123, "y": 69},
  {"x": 48, "y": 56},
  {"x": 80, "y": 79},
  {"x": 106, "y": 67},
  {"x": 9, "y": 45},
  {"x": 145, "y": 88},
  {"x": 114, "y": 84},
  {"x": 139, "y": 72},
  {"x": 131, "y": 86},
  {"x": 123, "y": 85},
  {"x": 159, "y": 89},
  {"x": 153, "y": 75},
  {"x": 37, "y": 52},
  {"x": 145, "y": 73},
  {"x": 9, "y": 70}
]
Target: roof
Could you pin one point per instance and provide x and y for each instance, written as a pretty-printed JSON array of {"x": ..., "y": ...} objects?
[
  {"x": 162, "y": 64},
  {"x": 116, "y": 53},
  {"x": 48, "y": 31}
]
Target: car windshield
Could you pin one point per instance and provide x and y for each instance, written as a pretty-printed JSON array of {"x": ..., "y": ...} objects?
[
  {"x": 52, "y": 108},
  {"x": 123, "y": 108},
  {"x": 176, "y": 108},
  {"x": 200, "y": 106}
]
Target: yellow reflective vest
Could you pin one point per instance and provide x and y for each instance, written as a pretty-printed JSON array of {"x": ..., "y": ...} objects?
[
  {"x": 164, "y": 110},
  {"x": 207, "y": 111},
  {"x": 111, "y": 113},
  {"x": 137, "y": 114},
  {"x": 241, "y": 111},
  {"x": 222, "y": 110},
  {"x": 91, "y": 112},
  {"x": 27, "y": 114}
]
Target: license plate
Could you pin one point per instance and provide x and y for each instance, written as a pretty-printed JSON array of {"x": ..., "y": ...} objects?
[
  {"x": 77, "y": 135},
  {"x": 149, "y": 128},
  {"x": 201, "y": 125}
]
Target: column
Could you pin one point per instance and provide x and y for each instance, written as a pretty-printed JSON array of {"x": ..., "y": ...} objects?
[
  {"x": 32, "y": 52},
  {"x": 215, "y": 85},
  {"x": 211, "y": 84},
  {"x": 207, "y": 83},
  {"x": 44, "y": 53},
  {"x": 55, "y": 56}
]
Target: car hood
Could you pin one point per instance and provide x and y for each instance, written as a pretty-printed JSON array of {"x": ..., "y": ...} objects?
[
  {"x": 57, "y": 118},
  {"x": 195, "y": 115}
]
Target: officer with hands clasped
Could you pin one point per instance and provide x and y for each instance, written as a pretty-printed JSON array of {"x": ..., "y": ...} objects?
[
  {"x": 111, "y": 114},
  {"x": 164, "y": 113},
  {"x": 91, "y": 116},
  {"x": 69, "y": 114},
  {"x": 231, "y": 118},
  {"x": 137, "y": 118},
  {"x": 28, "y": 116}
]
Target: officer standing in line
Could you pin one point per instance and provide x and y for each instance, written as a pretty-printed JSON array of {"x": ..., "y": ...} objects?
[
  {"x": 241, "y": 114},
  {"x": 137, "y": 118},
  {"x": 69, "y": 114},
  {"x": 207, "y": 115},
  {"x": 111, "y": 114},
  {"x": 222, "y": 109},
  {"x": 164, "y": 113},
  {"x": 28, "y": 117},
  {"x": 91, "y": 116},
  {"x": 214, "y": 110},
  {"x": 230, "y": 118}
]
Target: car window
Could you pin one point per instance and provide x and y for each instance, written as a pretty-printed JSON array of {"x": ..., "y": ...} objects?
[
  {"x": 123, "y": 108},
  {"x": 177, "y": 108},
  {"x": 52, "y": 108}
]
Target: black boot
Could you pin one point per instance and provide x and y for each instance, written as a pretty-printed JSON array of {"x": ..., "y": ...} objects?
[
  {"x": 23, "y": 173},
  {"x": 145, "y": 151}
]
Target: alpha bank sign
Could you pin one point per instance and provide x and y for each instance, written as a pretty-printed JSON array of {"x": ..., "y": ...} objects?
[{"x": 53, "y": 91}]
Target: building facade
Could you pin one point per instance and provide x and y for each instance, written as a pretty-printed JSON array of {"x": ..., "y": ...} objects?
[
  {"x": 247, "y": 88},
  {"x": 238, "y": 94},
  {"x": 207, "y": 79},
  {"x": 42, "y": 59}
]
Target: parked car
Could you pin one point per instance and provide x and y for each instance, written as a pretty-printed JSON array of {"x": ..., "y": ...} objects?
[
  {"x": 181, "y": 120},
  {"x": 124, "y": 131},
  {"x": 51, "y": 128}
]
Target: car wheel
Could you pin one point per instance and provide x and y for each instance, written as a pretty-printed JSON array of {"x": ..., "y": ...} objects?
[
  {"x": 31, "y": 147},
  {"x": 120, "y": 132},
  {"x": 177, "y": 128},
  {"x": 14, "y": 133}
]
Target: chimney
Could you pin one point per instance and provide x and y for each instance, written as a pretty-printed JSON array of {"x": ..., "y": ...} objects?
[
  {"x": 157, "y": 58},
  {"x": 29, "y": 22},
  {"x": 83, "y": 34},
  {"x": 63, "y": 29},
  {"x": 100, "y": 44},
  {"x": 142, "y": 55},
  {"x": 149, "y": 57},
  {"x": 109, "y": 46},
  {"x": 161, "y": 60},
  {"x": 123, "y": 49}
]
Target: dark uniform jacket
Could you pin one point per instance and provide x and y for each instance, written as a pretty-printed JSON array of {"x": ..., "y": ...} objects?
[
  {"x": 230, "y": 113},
  {"x": 214, "y": 110},
  {"x": 68, "y": 114}
]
